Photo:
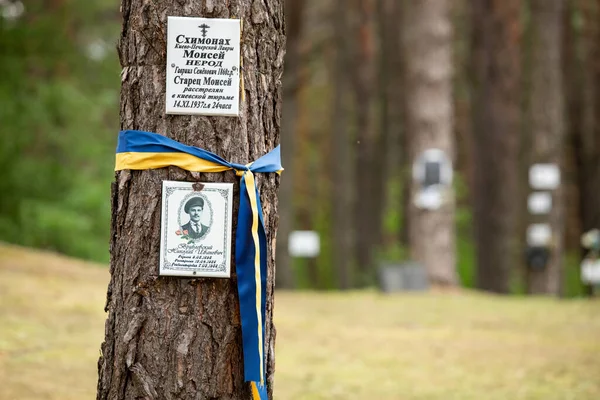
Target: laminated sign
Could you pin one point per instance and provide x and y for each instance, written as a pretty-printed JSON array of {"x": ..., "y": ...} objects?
[
  {"x": 203, "y": 66},
  {"x": 196, "y": 229}
]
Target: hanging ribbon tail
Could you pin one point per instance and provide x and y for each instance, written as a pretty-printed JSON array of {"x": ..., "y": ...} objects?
[
  {"x": 262, "y": 236},
  {"x": 251, "y": 268},
  {"x": 259, "y": 392}
]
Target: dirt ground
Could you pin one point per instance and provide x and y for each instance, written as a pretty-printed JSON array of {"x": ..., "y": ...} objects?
[{"x": 358, "y": 345}]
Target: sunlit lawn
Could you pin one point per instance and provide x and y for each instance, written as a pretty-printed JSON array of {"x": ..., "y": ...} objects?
[{"x": 329, "y": 346}]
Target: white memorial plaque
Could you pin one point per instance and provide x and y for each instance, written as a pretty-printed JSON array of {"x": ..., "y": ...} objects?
[
  {"x": 203, "y": 66},
  {"x": 423, "y": 168},
  {"x": 544, "y": 176},
  {"x": 539, "y": 203},
  {"x": 539, "y": 235},
  {"x": 304, "y": 244},
  {"x": 196, "y": 229},
  {"x": 430, "y": 198},
  {"x": 590, "y": 271}
]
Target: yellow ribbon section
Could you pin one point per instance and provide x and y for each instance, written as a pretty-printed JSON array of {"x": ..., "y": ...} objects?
[
  {"x": 186, "y": 161},
  {"x": 255, "y": 392},
  {"x": 249, "y": 180}
]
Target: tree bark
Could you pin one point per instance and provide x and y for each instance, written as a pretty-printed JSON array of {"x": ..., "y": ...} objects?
[
  {"x": 341, "y": 179},
  {"x": 365, "y": 207},
  {"x": 291, "y": 83},
  {"x": 547, "y": 114},
  {"x": 572, "y": 84},
  {"x": 587, "y": 140},
  {"x": 496, "y": 110},
  {"x": 428, "y": 53},
  {"x": 590, "y": 140},
  {"x": 383, "y": 142},
  {"x": 389, "y": 159},
  {"x": 167, "y": 337}
]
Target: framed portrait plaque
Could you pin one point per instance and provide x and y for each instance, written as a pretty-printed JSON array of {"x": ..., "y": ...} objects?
[{"x": 195, "y": 236}]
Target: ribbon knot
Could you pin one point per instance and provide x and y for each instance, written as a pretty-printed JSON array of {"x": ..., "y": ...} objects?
[
  {"x": 139, "y": 150},
  {"x": 240, "y": 169}
]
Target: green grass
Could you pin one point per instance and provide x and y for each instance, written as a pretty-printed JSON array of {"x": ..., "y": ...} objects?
[{"x": 359, "y": 345}]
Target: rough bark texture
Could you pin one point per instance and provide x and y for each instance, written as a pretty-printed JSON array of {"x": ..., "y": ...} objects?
[
  {"x": 167, "y": 337},
  {"x": 341, "y": 178},
  {"x": 291, "y": 82},
  {"x": 547, "y": 113},
  {"x": 428, "y": 50},
  {"x": 496, "y": 110}
]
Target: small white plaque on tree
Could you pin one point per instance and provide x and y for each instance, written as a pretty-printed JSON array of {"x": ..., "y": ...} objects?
[
  {"x": 304, "y": 244},
  {"x": 544, "y": 176},
  {"x": 590, "y": 271},
  {"x": 539, "y": 203},
  {"x": 203, "y": 66},
  {"x": 539, "y": 235},
  {"x": 195, "y": 236}
]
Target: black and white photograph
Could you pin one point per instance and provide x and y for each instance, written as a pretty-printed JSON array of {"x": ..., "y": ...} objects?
[
  {"x": 196, "y": 229},
  {"x": 198, "y": 221}
]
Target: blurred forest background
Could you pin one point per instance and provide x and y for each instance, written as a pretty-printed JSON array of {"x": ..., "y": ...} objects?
[{"x": 368, "y": 85}]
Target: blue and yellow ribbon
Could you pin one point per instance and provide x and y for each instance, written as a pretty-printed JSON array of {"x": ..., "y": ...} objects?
[{"x": 138, "y": 150}]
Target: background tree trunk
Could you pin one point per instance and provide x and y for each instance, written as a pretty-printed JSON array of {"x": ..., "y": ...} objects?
[
  {"x": 391, "y": 158},
  {"x": 590, "y": 135},
  {"x": 587, "y": 141},
  {"x": 384, "y": 142},
  {"x": 341, "y": 179},
  {"x": 365, "y": 206},
  {"x": 428, "y": 54},
  {"x": 496, "y": 61},
  {"x": 294, "y": 10},
  {"x": 361, "y": 83},
  {"x": 547, "y": 113},
  {"x": 572, "y": 75},
  {"x": 167, "y": 337}
]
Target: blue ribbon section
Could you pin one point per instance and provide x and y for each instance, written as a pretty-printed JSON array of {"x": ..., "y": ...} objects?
[{"x": 251, "y": 267}]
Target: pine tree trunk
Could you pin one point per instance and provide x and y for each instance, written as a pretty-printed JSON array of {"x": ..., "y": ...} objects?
[
  {"x": 384, "y": 142},
  {"x": 428, "y": 50},
  {"x": 390, "y": 158},
  {"x": 572, "y": 83},
  {"x": 341, "y": 178},
  {"x": 362, "y": 84},
  {"x": 291, "y": 84},
  {"x": 588, "y": 138},
  {"x": 496, "y": 108},
  {"x": 176, "y": 338},
  {"x": 547, "y": 113}
]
